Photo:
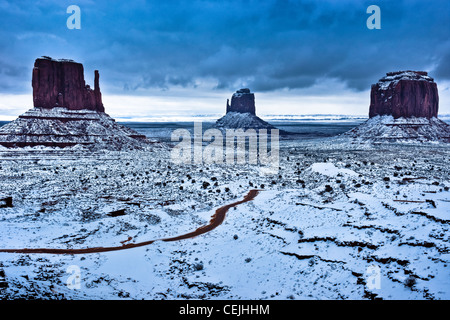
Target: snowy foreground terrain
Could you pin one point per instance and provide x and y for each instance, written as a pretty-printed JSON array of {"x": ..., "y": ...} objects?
[{"x": 331, "y": 212}]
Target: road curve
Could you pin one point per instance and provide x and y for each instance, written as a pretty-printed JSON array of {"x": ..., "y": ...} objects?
[{"x": 215, "y": 221}]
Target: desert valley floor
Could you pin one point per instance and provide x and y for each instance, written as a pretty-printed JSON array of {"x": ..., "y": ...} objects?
[{"x": 312, "y": 231}]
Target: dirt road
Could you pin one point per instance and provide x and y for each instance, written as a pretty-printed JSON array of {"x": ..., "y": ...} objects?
[{"x": 215, "y": 221}]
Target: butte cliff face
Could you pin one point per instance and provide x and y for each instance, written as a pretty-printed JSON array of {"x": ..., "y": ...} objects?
[
  {"x": 242, "y": 101},
  {"x": 67, "y": 113},
  {"x": 405, "y": 94},
  {"x": 403, "y": 108},
  {"x": 60, "y": 83}
]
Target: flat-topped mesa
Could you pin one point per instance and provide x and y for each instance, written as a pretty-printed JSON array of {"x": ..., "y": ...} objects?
[
  {"x": 242, "y": 101},
  {"x": 405, "y": 94},
  {"x": 60, "y": 83},
  {"x": 403, "y": 108}
]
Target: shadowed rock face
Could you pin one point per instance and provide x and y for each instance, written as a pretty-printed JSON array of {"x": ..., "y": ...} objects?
[
  {"x": 405, "y": 94},
  {"x": 242, "y": 101},
  {"x": 60, "y": 83}
]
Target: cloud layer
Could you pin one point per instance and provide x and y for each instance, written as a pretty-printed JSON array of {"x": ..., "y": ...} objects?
[{"x": 223, "y": 45}]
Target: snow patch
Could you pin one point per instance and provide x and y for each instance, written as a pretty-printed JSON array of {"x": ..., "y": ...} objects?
[{"x": 329, "y": 169}]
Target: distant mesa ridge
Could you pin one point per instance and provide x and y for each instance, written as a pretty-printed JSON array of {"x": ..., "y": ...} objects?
[{"x": 67, "y": 113}]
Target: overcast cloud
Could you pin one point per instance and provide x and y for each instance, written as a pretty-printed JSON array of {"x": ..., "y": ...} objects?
[{"x": 224, "y": 45}]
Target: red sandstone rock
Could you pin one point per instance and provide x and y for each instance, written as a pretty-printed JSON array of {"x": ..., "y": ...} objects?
[
  {"x": 59, "y": 93},
  {"x": 242, "y": 101},
  {"x": 405, "y": 94},
  {"x": 60, "y": 83}
]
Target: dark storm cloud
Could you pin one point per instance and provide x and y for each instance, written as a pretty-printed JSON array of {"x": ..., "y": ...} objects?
[{"x": 265, "y": 45}]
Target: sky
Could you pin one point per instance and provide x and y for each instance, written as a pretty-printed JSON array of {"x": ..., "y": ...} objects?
[{"x": 181, "y": 58}]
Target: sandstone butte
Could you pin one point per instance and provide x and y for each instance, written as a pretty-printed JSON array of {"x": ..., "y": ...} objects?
[
  {"x": 242, "y": 101},
  {"x": 67, "y": 113},
  {"x": 60, "y": 83},
  {"x": 405, "y": 94}
]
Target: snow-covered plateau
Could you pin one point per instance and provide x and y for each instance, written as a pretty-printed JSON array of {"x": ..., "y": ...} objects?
[{"x": 331, "y": 213}]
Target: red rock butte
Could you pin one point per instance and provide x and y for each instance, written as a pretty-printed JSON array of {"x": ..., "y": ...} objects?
[
  {"x": 60, "y": 83},
  {"x": 403, "y": 108},
  {"x": 405, "y": 94},
  {"x": 241, "y": 114},
  {"x": 68, "y": 113},
  {"x": 242, "y": 101}
]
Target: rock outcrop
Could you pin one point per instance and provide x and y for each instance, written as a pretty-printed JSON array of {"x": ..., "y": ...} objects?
[
  {"x": 241, "y": 113},
  {"x": 67, "y": 113},
  {"x": 405, "y": 94},
  {"x": 403, "y": 108},
  {"x": 242, "y": 101},
  {"x": 60, "y": 83}
]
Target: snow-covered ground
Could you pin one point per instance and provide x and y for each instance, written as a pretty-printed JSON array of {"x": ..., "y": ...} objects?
[
  {"x": 313, "y": 232},
  {"x": 406, "y": 130}
]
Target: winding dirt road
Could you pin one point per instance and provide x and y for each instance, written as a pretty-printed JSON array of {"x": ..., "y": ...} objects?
[{"x": 215, "y": 221}]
